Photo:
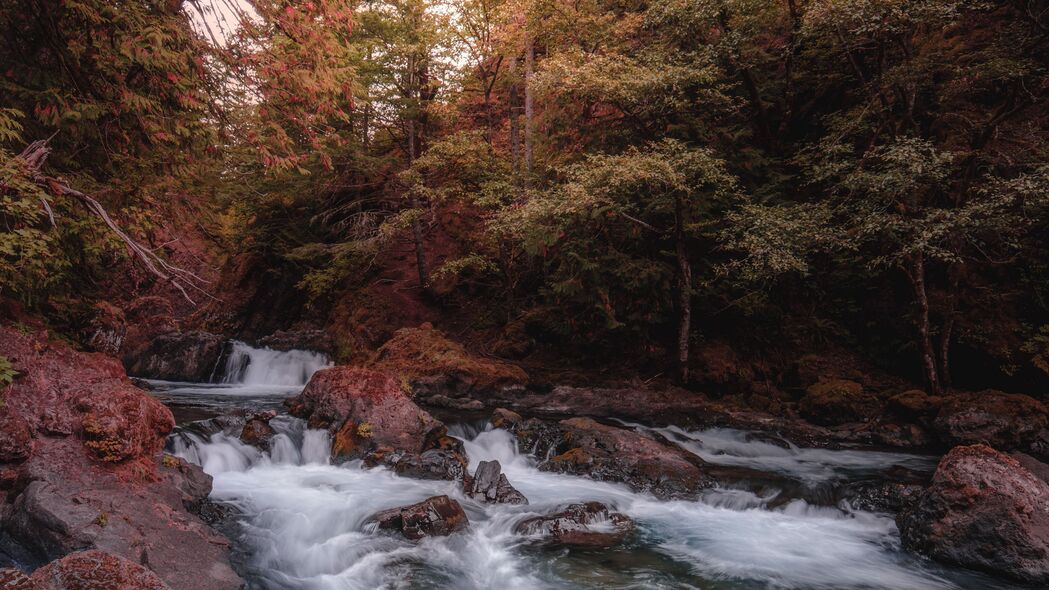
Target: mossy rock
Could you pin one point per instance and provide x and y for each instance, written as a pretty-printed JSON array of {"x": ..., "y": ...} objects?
[{"x": 832, "y": 402}]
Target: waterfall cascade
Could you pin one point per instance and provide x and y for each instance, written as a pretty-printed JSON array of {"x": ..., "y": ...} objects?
[{"x": 248, "y": 365}]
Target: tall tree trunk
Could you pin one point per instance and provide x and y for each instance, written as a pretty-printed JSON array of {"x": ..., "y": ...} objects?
[
  {"x": 417, "y": 228},
  {"x": 515, "y": 133},
  {"x": 916, "y": 273},
  {"x": 529, "y": 108},
  {"x": 684, "y": 327},
  {"x": 953, "y": 278}
]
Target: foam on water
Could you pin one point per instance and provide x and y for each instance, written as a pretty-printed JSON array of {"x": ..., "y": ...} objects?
[
  {"x": 305, "y": 526},
  {"x": 265, "y": 366}
]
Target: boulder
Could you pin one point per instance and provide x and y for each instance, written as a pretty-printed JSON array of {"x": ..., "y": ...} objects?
[
  {"x": 92, "y": 476},
  {"x": 436, "y": 365},
  {"x": 505, "y": 419},
  {"x": 372, "y": 402},
  {"x": 373, "y": 419},
  {"x": 590, "y": 524},
  {"x": 106, "y": 329},
  {"x": 95, "y": 570},
  {"x": 582, "y": 446},
  {"x": 177, "y": 356},
  {"x": 1004, "y": 421},
  {"x": 257, "y": 431},
  {"x": 490, "y": 485},
  {"x": 443, "y": 464},
  {"x": 833, "y": 402},
  {"x": 433, "y": 517},
  {"x": 914, "y": 404},
  {"x": 983, "y": 510}
]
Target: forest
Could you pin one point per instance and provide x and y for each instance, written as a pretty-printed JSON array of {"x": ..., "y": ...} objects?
[{"x": 677, "y": 220}]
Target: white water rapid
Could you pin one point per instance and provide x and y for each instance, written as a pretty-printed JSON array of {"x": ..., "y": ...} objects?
[
  {"x": 303, "y": 524},
  {"x": 254, "y": 378}
]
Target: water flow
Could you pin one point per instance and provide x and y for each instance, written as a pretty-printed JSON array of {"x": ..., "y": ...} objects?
[
  {"x": 264, "y": 366},
  {"x": 305, "y": 526}
]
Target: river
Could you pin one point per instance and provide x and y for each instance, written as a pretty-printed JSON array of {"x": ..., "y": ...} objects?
[{"x": 302, "y": 523}]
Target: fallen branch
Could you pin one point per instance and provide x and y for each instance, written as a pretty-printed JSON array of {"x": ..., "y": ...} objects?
[{"x": 35, "y": 154}]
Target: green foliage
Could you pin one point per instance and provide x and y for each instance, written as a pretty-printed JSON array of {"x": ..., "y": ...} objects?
[{"x": 7, "y": 372}]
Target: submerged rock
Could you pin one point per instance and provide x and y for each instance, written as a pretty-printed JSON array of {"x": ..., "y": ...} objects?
[
  {"x": 582, "y": 446},
  {"x": 984, "y": 510},
  {"x": 490, "y": 485},
  {"x": 433, "y": 517},
  {"x": 590, "y": 524}
]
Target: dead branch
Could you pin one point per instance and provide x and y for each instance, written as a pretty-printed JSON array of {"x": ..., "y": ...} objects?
[{"x": 35, "y": 154}]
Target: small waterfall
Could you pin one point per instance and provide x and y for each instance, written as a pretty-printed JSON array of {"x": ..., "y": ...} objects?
[{"x": 248, "y": 365}]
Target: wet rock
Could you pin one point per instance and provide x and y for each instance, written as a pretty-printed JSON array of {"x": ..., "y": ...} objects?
[
  {"x": 317, "y": 340},
  {"x": 1004, "y": 421},
  {"x": 433, "y": 517},
  {"x": 95, "y": 570},
  {"x": 837, "y": 401},
  {"x": 257, "y": 431},
  {"x": 984, "y": 510},
  {"x": 442, "y": 464},
  {"x": 590, "y": 524},
  {"x": 582, "y": 446},
  {"x": 881, "y": 496},
  {"x": 490, "y": 485},
  {"x": 435, "y": 364},
  {"x": 505, "y": 419},
  {"x": 92, "y": 478},
  {"x": 455, "y": 403},
  {"x": 177, "y": 356},
  {"x": 367, "y": 408}
]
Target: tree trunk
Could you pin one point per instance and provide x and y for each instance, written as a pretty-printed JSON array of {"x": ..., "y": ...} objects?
[
  {"x": 417, "y": 228},
  {"x": 515, "y": 133},
  {"x": 916, "y": 273},
  {"x": 684, "y": 290},
  {"x": 529, "y": 108}
]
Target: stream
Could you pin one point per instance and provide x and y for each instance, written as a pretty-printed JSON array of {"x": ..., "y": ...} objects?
[{"x": 302, "y": 523}]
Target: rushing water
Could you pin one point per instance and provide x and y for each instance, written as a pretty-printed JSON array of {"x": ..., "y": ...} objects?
[
  {"x": 304, "y": 526},
  {"x": 249, "y": 377}
]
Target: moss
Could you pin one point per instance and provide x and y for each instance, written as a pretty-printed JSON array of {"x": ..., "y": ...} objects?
[
  {"x": 170, "y": 461},
  {"x": 102, "y": 519}
]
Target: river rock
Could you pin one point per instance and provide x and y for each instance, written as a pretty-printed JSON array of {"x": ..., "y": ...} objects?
[
  {"x": 914, "y": 404},
  {"x": 443, "y": 464},
  {"x": 833, "y": 402},
  {"x": 257, "y": 431},
  {"x": 92, "y": 476},
  {"x": 582, "y": 446},
  {"x": 1004, "y": 421},
  {"x": 590, "y": 524},
  {"x": 94, "y": 570},
  {"x": 177, "y": 356},
  {"x": 984, "y": 510},
  {"x": 490, "y": 485},
  {"x": 433, "y": 517},
  {"x": 434, "y": 365}
]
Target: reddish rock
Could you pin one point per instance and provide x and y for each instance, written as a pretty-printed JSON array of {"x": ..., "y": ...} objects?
[
  {"x": 257, "y": 431},
  {"x": 582, "y": 446},
  {"x": 1004, "y": 421},
  {"x": 95, "y": 570},
  {"x": 92, "y": 478},
  {"x": 368, "y": 410},
  {"x": 505, "y": 419},
  {"x": 590, "y": 524},
  {"x": 436, "y": 365},
  {"x": 13, "y": 579},
  {"x": 433, "y": 517},
  {"x": 837, "y": 401},
  {"x": 983, "y": 510},
  {"x": 16, "y": 438}
]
